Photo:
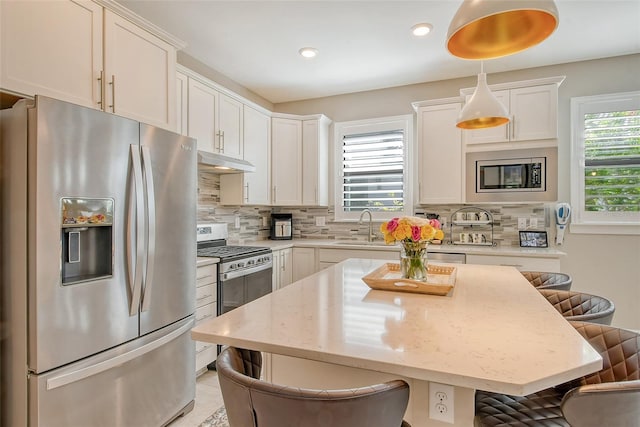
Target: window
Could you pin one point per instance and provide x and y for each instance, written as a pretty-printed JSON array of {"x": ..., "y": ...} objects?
[
  {"x": 372, "y": 168},
  {"x": 605, "y": 184}
]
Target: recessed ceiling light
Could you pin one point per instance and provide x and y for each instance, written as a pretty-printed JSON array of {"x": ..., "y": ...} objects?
[
  {"x": 308, "y": 52},
  {"x": 421, "y": 29}
]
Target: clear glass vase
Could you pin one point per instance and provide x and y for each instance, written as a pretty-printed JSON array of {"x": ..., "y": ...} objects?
[{"x": 413, "y": 260}]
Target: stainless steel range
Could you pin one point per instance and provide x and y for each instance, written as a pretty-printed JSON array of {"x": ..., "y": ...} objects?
[{"x": 244, "y": 272}]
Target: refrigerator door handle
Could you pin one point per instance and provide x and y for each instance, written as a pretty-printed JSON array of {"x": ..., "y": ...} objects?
[
  {"x": 136, "y": 281},
  {"x": 80, "y": 374},
  {"x": 151, "y": 222}
]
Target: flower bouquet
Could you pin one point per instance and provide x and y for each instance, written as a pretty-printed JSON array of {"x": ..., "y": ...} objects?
[{"x": 414, "y": 234}]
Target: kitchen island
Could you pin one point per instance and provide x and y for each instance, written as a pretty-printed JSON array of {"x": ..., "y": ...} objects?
[{"x": 494, "y": 331}]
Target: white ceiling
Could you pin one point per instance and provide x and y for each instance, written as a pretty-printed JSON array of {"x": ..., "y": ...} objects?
[{"x": 365, "y": 45}]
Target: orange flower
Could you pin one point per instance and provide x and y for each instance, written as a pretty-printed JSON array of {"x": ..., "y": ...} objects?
[{"x": 411, "y": 229}]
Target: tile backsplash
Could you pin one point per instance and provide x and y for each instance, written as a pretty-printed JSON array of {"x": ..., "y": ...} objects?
[{"x": 251, "y": 223}]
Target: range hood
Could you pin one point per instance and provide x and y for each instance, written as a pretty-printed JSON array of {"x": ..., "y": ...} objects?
[{"x": 224, "y": 164}]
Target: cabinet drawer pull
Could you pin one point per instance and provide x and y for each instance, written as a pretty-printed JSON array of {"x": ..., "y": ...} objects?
[{"x": 204, "y": 297}]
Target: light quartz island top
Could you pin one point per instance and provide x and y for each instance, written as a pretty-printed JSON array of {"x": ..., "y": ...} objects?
[{"x": 494, "y": 331}]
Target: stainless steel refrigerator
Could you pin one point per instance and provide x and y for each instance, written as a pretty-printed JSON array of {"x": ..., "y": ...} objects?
[{"x": 98, "y": 268}]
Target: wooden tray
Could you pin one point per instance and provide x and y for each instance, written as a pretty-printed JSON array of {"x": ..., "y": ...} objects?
[{"x": 440, "y": 280}]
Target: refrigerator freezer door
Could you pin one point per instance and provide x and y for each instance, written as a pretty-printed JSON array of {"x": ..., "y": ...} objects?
[
  {"x": 76, "y": 152},
  {"x": 170, "y": 170},
  {"x": 145, "y": 382}
]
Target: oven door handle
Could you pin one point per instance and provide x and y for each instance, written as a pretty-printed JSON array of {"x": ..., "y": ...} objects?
[{"x": 246, "y": 271}]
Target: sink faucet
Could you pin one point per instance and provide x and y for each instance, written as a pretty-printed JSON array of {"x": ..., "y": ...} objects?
[{"x": 370, "y": 237}]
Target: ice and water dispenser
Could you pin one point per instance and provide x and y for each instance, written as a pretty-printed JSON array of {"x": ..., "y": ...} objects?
[{"x": 87, "y": 239}]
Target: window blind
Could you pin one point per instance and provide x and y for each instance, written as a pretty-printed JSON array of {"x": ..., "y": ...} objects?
[
  {"x": 372, "y": 171},
  {"x": 612, "y": 161}
]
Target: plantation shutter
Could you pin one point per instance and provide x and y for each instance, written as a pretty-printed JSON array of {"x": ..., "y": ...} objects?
[
  {"x": 372, "y": 166},
  {"x": 612, "y": 161}
]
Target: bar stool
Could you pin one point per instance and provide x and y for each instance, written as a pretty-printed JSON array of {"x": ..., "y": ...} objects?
[
  {"x": 250, "y": 401},
  {"x": 546, "y": 280},
  {"x": 609, "y": 397},
  {"x": 580, "y": 306}
]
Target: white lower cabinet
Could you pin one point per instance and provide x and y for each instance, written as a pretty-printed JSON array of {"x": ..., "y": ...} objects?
[
  {"x": 206, "y": 298},
  {"x": 282, "y": 268},
  {"x": 328, "y": 257},
  {"x": 304, "y": 263},
  {"x": 520, "y": 262}
]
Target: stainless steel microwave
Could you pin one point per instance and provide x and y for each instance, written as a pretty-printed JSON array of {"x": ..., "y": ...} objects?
[
  {"x": 521, "y": 175},
  {"x": 509, "y": 175}
]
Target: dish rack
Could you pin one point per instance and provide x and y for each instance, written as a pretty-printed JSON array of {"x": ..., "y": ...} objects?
[{"x": 471, "y": 226}]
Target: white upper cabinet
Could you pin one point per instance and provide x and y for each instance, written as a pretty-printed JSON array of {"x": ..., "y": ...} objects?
[
  {"x": 140, "y": 73},
  {"x": 52, "y": 48},
  {"x": 214, "y": 119},
  {"x": 182, "y": 110},
  {"x": 80, "y": 52},
  {"x": 494, "y": 134},
  {"x": 251, "y": 188},
  {"x": 229, "y": 126},
  {"x": 286, "y": 161},
  {"x": 315, "y": 162},
  {"x": 440, "y": 171},
  {"x": 533, "y": 110},
  {"x": 203, "y": 101},
  {"x": 300, "y": 161}
]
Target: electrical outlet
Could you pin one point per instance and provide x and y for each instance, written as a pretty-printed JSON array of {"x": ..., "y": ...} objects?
[
  {"x": 522, "y": 223},
  {"x": 237, "y": 221},
  {"x": 533, "y": 222},
  {"x": 441, "y": 402}
]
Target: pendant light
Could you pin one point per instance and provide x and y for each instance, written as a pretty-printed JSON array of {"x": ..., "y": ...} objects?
[
  {"x": 483, "y": 109},
  {"x": 484, "y": 29}
]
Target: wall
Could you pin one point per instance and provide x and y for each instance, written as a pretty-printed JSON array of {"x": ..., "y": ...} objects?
[{"x": 604, "y": 265}]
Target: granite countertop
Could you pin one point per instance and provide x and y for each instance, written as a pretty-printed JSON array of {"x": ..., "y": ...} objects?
[
  {"x": 494, "y": 331},
  {"x": 380, "y": 246}
]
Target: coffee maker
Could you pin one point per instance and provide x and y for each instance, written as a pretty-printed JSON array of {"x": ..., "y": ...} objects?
[{"x": 281, "y": 226}]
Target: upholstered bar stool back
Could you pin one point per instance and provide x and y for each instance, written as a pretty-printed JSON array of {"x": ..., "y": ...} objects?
[
  {"x": 609, "y": 397},
  {"x": 580, "y": 306},
  {"x": 251, "y": 402},
  {"x": 545, "y": 280}
]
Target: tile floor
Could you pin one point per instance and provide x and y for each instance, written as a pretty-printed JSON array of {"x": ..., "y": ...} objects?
[{"x": 208, "y": 399}]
